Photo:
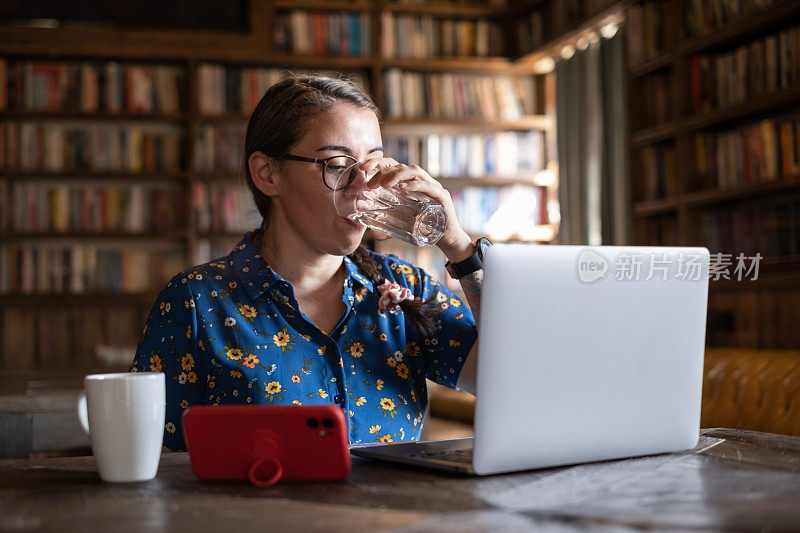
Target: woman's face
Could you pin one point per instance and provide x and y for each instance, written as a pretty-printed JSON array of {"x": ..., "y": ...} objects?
[{"x": 306, "y": 202}]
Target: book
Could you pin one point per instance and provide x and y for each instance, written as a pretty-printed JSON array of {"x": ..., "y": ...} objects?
[
  {"x": 753, "y": 153},
  {"x": 102, "y": 147},
  {"x": 31, "y": 207},
  {"x": 425, "y": 36},
  {"x": 448, "y": 156},
  {"x": 705, "y": 16},
  {"x": 235, "y": 89},
  {"x": 91, "y": 87},
  {"x": 322, "y": 33},
  {"x": 502, "y": 97},
  {"x": 655, "y": 104},
  {"x": 77, "y": 268},
  {"x": 752, "y": 70},
  {"x": 223, "y": 208}
]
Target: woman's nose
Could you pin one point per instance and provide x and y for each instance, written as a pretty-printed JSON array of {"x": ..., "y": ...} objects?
[{"x": 360, "y": 179}]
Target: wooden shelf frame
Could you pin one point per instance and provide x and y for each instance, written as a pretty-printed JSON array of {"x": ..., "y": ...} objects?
[
  {"x": 768, "y": 104},
  {"x": 580, "y": 29},
  {"x": 737, "y": 32},
  {"x": 189, "y": 50},
  {"x": 93, "y": 236},
  {"x": 684, "y": 206}
]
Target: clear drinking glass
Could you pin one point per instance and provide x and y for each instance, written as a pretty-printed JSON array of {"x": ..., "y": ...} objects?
[{"x": 406, "y": 215}]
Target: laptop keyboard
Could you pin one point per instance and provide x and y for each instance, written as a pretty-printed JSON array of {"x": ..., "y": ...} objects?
[{"x": 458, "y": 455}]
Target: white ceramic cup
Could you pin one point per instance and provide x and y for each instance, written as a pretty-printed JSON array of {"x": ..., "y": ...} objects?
[{"x": 125, "y": 422}]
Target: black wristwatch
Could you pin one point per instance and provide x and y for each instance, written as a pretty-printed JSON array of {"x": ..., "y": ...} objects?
[{"x": 472, "y": 263}]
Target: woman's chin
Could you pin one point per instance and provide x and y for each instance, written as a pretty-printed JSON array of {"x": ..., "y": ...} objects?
[{"x": 352, "y": 236}]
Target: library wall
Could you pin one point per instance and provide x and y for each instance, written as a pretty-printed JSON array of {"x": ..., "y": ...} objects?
[
  {"x": 121, "y": 150},
  {"x": 715, "y": 152}
]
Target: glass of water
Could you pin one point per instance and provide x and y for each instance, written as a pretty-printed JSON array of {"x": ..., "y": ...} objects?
[{"x": 406, "y": 215}]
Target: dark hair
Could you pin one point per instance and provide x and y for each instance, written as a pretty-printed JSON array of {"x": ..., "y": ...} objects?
[{"x": 280, "y": 120}]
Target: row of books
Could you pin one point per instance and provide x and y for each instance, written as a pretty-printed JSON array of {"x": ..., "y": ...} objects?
[
  {"x": 44, "y": 207},
  {"x": 533, "y": 28},
  {"x": 303, "y": 32},
  {"x": 423, "y": 37},
  {"x": 771, "y": 229},
  {"x": 529, "y": 32},
  {"x": 654, "y": 172},
  {"x": 660, "y": 230},
  {"x": 483, "y": 3},
  {"x": 755, "y": 69},
  {"x": 655, "y": 106},
  {"x": 704, "y": 16},
  {"x": 511, "y": 154},
  {"x": 67, "y": 146},
  {"x": 223, "y": 208},
  {"x": 219, "y": 148},
  {"x": 446, "y": 95},
  {"x": 650, "y": 30},
  {"x": 91, "y": 87},
  {"x": 233, "y": 89},
  {"x": 47, "y": 269},
  {"x": 766, "y": 151},
  {"x": 498, "y": 210}
]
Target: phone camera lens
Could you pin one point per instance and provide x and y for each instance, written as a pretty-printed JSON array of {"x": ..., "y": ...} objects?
[
  {"x": 312, "y": 423},
  {"x": 327, "y": 422}
]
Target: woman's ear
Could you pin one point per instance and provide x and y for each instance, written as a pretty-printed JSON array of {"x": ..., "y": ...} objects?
[{"x": 264, "y": 171}]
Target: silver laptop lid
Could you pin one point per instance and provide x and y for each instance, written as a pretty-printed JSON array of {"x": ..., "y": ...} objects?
[{"x": 588, "y": 353}]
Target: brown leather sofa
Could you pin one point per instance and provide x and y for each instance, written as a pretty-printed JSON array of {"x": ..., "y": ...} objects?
[
  {"x": 744, "y": 388},
  {"x": 752, "y": 389}
]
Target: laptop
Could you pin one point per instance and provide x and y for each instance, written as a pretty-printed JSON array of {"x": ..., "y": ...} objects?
[{"x": 585, "y": 354}]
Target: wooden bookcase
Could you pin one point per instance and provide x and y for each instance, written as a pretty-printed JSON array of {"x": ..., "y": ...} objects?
[
  {"x": 684, "y": 208},
  {"x": 63, "y": 329}
]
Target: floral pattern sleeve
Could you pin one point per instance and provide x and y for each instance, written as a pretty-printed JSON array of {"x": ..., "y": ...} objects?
[
  {"x": 169, "y": 344},
  {"x": 446, "y": 351}
]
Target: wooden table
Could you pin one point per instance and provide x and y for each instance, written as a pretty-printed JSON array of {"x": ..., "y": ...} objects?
[{"x": 733, "y": 480}]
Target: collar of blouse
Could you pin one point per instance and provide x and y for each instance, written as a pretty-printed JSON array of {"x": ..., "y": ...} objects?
[{"x": 259, "y": 279}]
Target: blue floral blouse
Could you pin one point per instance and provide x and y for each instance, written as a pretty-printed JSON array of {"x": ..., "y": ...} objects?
[{"x": 230, "y": 332}]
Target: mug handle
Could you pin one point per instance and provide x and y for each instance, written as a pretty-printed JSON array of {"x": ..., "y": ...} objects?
[{"x": 83, "y": 416}]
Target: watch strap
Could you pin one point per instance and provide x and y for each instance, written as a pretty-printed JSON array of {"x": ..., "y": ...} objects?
[{"x": 471, "y": 264}]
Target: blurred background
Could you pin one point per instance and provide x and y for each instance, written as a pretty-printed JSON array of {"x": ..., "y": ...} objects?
[{"x": 600, "y": 122}]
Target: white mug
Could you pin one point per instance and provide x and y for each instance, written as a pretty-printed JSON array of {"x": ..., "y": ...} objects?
[{"x": 125, "y": 423}]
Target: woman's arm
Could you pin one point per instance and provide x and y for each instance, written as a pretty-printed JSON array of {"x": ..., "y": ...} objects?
[
  {"x": 472, "y": 285},
  {"x": 169, "y": 344},
  {"x": 455, "y": 243}
]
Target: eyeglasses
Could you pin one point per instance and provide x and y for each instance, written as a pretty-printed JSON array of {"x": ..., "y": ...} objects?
[{"x": 332, "y": 169}]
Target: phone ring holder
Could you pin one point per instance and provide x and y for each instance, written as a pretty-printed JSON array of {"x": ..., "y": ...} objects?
[
  {"x": 260, "y": 478},
  {"x": 264, "y": 447}
]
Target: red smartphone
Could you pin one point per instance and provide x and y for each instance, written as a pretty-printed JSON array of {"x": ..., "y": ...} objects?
[{"x": 267, "y": 443}]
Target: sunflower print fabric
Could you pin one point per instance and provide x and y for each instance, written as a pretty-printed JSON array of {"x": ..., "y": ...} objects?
[{"x": 230, "y": 332}]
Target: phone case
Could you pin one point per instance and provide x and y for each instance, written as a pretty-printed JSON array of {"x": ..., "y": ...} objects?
[{"x": 267, "y": 443}]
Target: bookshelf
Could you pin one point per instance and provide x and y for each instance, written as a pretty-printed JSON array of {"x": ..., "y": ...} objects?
[
  {"x": 202, "y": 127},
  {"x": 718, "y": 165}
]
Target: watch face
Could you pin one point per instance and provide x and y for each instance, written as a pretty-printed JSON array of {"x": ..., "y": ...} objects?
[{"x": 482, "y": 245}]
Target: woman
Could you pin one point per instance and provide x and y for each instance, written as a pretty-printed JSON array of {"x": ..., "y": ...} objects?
[{"x": 299, "y": 312}]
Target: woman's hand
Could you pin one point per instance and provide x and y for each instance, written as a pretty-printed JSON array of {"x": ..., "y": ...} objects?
[{"x": 455, "y": 243}]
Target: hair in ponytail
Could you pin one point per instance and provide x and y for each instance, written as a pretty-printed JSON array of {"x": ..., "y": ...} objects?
[
  {"x": 280, "y": 120},
  {"x": 421, "y": 314}
]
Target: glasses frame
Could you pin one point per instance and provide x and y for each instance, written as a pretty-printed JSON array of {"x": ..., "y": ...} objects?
[{"x": 324, "y": 163}]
